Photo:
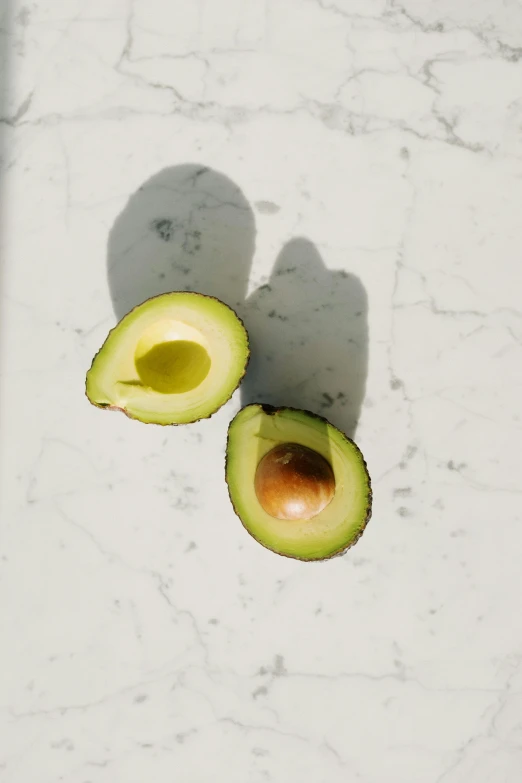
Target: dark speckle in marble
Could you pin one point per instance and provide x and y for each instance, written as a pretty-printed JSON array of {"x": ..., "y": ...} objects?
[
  {"x": 164, "y": 228},
  {"x": 63, "y": 744},
  {"x": 279, "y": 666},
  {"x": 328, "y": 400},
  {"x": 267, "y": 207},
  {"x": 452, "y": 465},
  {"x": 402, "y": 492}
]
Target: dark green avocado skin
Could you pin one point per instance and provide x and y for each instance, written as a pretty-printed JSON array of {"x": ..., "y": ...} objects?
[{"x": 271, "y": 411}]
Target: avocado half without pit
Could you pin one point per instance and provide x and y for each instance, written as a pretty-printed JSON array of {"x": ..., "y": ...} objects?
[
  {"x": 174, "y": 359},
  {"x": 298, "y": 484}
]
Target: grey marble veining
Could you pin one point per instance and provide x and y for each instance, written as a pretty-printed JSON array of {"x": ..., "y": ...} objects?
[{"x": 347, "y": 174}]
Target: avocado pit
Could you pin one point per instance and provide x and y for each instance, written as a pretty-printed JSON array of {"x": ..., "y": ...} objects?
[{"x": 294, "y": 482}]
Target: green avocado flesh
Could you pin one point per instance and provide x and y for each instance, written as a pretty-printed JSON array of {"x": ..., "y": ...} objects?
[
  {"x": 255, "y": 431},
  {"x": 174, "y": 359}
]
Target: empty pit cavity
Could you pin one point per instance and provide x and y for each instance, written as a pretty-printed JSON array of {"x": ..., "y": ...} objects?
[{"x": 172, "y": 358}]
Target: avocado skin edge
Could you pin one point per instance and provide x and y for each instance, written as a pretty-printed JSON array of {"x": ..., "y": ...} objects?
[
  {"x": 271, "y": 410},
  {"x": 173, "y": 424}
]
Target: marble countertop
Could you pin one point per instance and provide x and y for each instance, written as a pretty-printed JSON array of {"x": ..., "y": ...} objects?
[{"x": 348, "y": 175}]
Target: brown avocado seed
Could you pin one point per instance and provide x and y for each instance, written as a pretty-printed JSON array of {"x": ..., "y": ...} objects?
[{"x": 294, "y": 482}]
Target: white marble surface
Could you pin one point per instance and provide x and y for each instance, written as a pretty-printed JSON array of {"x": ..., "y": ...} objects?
[{"x": 375, "y": 149}]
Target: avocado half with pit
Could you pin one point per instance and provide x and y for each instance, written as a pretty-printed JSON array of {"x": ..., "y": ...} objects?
[
  {"x": 174, "y": 359},
  {"x": 298, "y": 484}
]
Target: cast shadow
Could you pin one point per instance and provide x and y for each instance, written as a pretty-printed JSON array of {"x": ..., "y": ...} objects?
[
  {"x": 309, "y": 334},
  {"x": 187, "y": 228}
]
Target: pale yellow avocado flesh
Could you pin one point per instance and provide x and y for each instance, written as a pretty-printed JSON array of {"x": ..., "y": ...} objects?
[
  {"x": 256, "y": 430},
  {"x": 174, "y": 359}
]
